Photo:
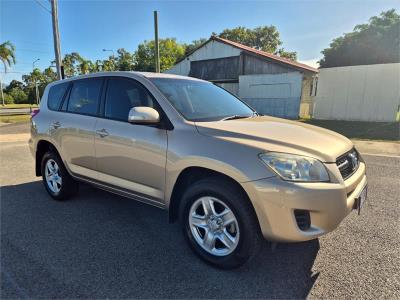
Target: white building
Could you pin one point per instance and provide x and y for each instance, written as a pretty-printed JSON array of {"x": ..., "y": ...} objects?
[{"x": 270, "y": 84}]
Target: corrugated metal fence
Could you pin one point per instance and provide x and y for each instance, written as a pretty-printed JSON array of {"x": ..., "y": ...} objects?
[{"x": 364, "y": 93}]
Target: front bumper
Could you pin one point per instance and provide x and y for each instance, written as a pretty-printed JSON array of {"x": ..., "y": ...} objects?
[{"x": 275, "y": 201}]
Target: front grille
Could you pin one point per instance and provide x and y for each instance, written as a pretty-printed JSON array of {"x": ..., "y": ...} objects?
[
  {"x": 348, "y": 163},
  {"x": 303, "y": 219}
]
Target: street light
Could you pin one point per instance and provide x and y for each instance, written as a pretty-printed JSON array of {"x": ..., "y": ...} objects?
[
  {"x": 109, "y": 50},
  {"x": 36, "y": 87}
]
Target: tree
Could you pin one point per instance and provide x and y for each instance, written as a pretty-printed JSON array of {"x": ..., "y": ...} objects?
[
  {"x": 49, "y": 75},
  {"x": 14, "y": 84},
  {"x": 287, "y": 54},
  {"x": 7, "y": 57},
  {"x": 85, "y": 67},
  {"x": 125, "y": 61},
  {"x": 8, "y": 99},
  {"x": 376, "y": 42},
  {"x": 264, "y": 38},
  {"x": 72, "y": 63},
  {"x": 189, "y": 48},
  {"x": 18, "y": 95},
  {"x": 170, "y": 52},
  {"x": 109, "y": 64},
  {"x": 7, "y": 54},
  {"x": 33, "y": 78}
]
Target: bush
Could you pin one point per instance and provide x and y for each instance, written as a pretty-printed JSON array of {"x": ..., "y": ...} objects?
[
  {"x": 7, "y": 98},
  {"x": 18, "y": 95}
]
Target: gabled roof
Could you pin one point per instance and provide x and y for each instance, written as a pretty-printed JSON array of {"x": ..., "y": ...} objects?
[{"x": 269, "y": 56}]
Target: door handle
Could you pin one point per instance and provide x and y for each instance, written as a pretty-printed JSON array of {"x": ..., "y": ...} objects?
[
  {"x": 102, "y": 132},
  {"x": 56, "y": 125}
]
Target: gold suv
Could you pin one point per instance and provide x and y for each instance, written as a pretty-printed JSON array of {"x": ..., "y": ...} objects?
[{"x": 230, "y": 175}]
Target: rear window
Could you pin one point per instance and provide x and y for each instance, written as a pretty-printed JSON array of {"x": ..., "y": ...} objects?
[
  {"x": 84, "y": 97},
  {"x": 56, "y": 95}
]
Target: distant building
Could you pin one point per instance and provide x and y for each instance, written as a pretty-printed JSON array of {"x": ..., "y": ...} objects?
[{"x": 269, "y": 83}]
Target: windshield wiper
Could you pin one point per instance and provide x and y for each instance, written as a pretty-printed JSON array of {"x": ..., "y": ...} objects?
[{"x": 235, "y": 117}]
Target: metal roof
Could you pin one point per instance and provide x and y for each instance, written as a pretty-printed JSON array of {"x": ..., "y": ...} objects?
[{"x": 266, "y": 55}]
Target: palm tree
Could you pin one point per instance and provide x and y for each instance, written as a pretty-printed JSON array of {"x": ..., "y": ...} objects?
[{"x": 7, "y": 57}]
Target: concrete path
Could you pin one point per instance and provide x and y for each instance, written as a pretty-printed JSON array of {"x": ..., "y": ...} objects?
[{"x": 378, "y": 148}]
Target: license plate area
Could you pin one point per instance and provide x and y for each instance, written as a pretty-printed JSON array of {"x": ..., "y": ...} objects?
[{"x": 361, "y": 199}]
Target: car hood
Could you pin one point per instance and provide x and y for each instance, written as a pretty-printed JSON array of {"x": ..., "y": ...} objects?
[{"x": 275, "y": 134}]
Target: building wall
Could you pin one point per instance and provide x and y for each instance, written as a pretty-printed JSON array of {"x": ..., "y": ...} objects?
[
  {"x": 232, "y": 87},
  {"x": 364, "y": 93},
  {"x": 256, "y": 65},
  {"x": 273, "y": 94},
  {"x": 211, "y": 50},
  {"x": 226, "y": 68}
]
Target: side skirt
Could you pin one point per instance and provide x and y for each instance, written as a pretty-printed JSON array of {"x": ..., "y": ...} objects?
[{"x": 120, "y": 192}]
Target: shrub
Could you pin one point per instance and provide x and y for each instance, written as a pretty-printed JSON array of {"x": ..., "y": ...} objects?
[
  {"x": 8, "y": 99},
  {"x": 18, "y": 95}
]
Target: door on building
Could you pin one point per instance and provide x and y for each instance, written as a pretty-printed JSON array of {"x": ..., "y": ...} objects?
[{"x": 272, "y": 94}]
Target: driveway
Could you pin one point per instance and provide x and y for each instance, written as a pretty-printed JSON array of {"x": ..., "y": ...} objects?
[{"x": 99, "y": 245}]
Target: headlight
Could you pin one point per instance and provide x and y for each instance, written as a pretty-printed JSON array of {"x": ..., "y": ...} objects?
[{"x": 295, "y": 167}]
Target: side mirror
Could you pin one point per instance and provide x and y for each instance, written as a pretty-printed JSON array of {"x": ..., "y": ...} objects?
[{"x": 143, "y": 115}]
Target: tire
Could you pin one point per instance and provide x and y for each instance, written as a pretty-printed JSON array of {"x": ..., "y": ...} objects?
[
  {"x": 224, "y": 246},
  {"x": 61, "y": 186}
]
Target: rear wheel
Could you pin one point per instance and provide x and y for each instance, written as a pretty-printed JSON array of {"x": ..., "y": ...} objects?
[
  {"x": 219, "y": 223},
  {"x": 57, "y": 181}
]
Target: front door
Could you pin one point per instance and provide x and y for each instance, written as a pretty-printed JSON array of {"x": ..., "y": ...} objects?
[{"x": 128, "y": 156}]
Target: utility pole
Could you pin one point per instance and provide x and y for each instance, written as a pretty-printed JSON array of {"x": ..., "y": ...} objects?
[
  {"x": 56, "y": 37},
  {"x": 1, "y": 91},
  {"x": 36, "y": 87},
  {"x": 157, "y": 51}
]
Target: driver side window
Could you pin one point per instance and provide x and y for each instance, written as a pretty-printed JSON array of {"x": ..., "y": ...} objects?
[{"x": 123, "y": 94}]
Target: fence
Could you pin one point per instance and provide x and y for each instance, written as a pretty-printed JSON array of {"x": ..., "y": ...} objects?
[{"x": 362, "y": 93}]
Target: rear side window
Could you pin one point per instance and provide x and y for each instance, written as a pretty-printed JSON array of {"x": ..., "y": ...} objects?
[
  {"x": 84, "y": 96},
  {"x": 56, "y": 95}
]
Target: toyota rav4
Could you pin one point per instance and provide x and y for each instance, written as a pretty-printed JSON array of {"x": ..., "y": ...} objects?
[{"x": 229, "y": 175}]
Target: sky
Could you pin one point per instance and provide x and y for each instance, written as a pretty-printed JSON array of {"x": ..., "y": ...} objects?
[{"x": 87, "y": 27}]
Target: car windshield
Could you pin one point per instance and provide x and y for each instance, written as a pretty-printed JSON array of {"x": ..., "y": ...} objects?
[{"x": 201, "y": 100}]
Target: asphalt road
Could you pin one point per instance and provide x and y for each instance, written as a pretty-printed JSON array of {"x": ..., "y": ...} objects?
[{"x": 99, "y": 245}]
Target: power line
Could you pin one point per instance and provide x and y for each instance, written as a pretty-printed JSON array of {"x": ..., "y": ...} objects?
[
  {"x": 14, "y": 72},
  {"x": 43, "y": 6},
  {"x": 31, "y": 50}
]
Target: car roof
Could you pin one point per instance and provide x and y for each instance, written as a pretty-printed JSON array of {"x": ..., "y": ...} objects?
[{"x": 148, "y": 75}]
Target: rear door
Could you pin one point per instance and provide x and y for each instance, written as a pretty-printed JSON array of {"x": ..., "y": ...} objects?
[
  {"x": 130, "y": 156},
  {"x": 75, "y": 127}
]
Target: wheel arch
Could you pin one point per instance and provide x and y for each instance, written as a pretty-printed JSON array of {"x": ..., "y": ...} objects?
[
  {"x": 190, "y": 175},
  {"x": 42, "y": 147}
]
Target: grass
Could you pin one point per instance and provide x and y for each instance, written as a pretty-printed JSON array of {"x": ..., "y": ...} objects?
[
  {"x": 15, "y": 118},
  {"x": 18, "y": 106},
  {"x": 384, "y": 131}
]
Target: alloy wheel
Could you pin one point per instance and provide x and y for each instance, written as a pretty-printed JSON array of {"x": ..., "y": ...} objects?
[
  {"x": 53, "y": 177},
  {"x": 214, "y": 226}
]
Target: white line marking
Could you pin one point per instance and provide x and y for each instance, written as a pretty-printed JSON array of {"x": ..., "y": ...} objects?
[{"x": 381, "y": 155}]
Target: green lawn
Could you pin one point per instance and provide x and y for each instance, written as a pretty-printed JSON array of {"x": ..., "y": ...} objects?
[
  {"x": 386, "y": 131},
  {"x": 18, "y": 106},
  {"x": 15, "y": 118}
]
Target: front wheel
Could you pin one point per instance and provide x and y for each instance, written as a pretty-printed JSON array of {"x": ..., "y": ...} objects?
[{"x": 219, "y": 223}]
